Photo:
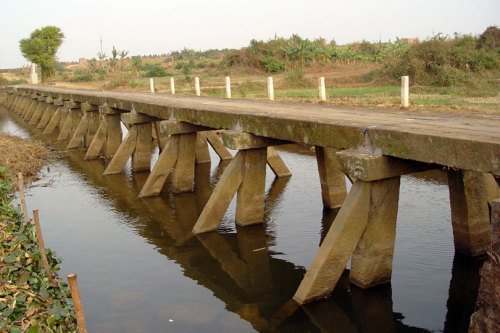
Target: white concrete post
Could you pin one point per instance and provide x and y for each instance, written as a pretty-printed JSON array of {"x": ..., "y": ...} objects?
[
  {"x": 322, "y": 89},
  {"x": 228, "y": 87},
  {"x": 33, "y": 75},
  {"x": 152, "y": 85},
  {"x": 172, "y": 85},
  {"x": 405, "y": 92},
  {"x": 270, "y": 88},
  {"x": 197, "y": 86}
]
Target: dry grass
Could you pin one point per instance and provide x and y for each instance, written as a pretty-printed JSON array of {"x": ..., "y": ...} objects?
[{"x": 21, "y": 155}]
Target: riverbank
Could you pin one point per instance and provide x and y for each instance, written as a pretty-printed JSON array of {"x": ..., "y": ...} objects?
[
  {"x": 20, "y": 155},
  {"x": 29, "y": 302}
]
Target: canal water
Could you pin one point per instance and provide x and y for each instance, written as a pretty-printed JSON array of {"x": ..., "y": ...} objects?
[{"x": 141, "y": 270}]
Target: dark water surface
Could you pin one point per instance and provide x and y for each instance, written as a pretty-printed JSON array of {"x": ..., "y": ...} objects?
[{"x": 141, "y": 270}]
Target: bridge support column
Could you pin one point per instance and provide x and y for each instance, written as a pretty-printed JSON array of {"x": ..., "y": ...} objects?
[
  {"x": 159, "y": 137},
  {"x": 29, "y": 113},
  {"x": 183, "y": 176},
  {"x": 179, "y": 152},
  {"x": 277, "y": 164},
  {"x": 86, "y": 128},
  {"x": 15, "y": 100},
  {"x": 42, "y": 106},
  {"x": 32, "y": 104},
  {"x": 108, "y": 137},
  {"x": 333, "y": 187},
  {"x": 22, "y": 104},
  {"x": 217, "y": 145},
  {"x": 202, "y": 153},
  {"x": 55, "y": 119},
  {"x": 49, "y": 112},
  {"x": 74, "y": 114},
  {"x": 10, "y": 100},
  {"x": 470, "y": 194},
  {"x": 137, "y": 144},
  {"x": 364, "y": 229},
  {"x": 244, "y": 176}
]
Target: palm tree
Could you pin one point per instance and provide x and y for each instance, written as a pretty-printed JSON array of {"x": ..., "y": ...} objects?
[{"x": 122, "y": 55}]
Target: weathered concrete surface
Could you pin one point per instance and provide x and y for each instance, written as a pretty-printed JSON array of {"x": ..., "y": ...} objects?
[
  {"x": 183, "y": 177},
  {"x": 222, "y": 195},
  {"x": 276, "y": 163},
  {"x": 368, "y": 167},
  {"x": 241, "y": 140},
  {"x": 338, "y": 246},
  {"x": 470, "y": 193},
  {"x": 486, "y": 319},
  {"x": 162, "y": 169},
  {"x": 371, "y": 262},
  {"x": 465, "y": 142},
  {"x": 251, "y": 194},
  {"x": 333, "y": 187}
]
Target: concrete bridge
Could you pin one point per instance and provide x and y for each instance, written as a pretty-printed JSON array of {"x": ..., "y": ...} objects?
[{"x": 373, "y": 148}]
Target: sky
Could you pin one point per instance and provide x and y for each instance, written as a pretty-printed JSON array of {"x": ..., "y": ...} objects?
[{"x": 156, "y": 27}]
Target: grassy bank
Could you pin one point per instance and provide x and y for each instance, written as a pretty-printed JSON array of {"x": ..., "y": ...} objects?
[{"x": 28, "y": 301}]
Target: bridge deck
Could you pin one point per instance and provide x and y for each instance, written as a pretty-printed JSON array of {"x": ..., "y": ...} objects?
[{"x": 466, "y": 142}]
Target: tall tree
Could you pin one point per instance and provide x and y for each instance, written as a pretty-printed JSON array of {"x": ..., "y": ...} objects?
[{"x": 41, "y": 48}]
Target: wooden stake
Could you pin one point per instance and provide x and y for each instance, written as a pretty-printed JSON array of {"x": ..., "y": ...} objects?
[
  {"x": 405, "y": 92},
  {"x": 20, "y": 185},
  {"x": 75, "y": 294},
  {"x": 270, "y": 88},
  {"x": 228, "y": 87},
  {"x": 39, "y": 238}
]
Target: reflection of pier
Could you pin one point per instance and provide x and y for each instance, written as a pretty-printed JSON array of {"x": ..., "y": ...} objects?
[{"x": 241, "y": 271}]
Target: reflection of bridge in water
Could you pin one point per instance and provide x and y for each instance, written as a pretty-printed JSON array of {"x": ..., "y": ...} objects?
[{"x": 240, "y": 270}]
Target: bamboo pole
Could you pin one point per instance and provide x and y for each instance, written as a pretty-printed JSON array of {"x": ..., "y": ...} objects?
[
  {"x": 75, "y": 294},
  {"x": 41, "y": 245},
  {"x": 20, "y": 185}
]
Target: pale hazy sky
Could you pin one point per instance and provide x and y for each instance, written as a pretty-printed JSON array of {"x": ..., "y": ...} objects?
[{"x": 155, "y": 27}]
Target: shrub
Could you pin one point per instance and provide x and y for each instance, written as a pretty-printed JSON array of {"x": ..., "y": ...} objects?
[
  {"x": 489, "y": 39},
  {"x": 442, "y": 61},
  {"x": 296, "y": 79},
  {"x": 83, "y": 76},
  {"x": 153, "y": 70},
  {"x": 273, "y": 65}
]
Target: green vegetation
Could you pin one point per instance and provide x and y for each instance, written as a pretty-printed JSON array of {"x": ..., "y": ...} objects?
[
  {"x": 445, "y": 62},
  {"x": 41, "y": 48},
  {"x": 360, "y": 73},
  {"x": 29, "y": 302}
]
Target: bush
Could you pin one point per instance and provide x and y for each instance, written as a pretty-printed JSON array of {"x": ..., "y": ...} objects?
[
  {"x": 83, "y": 76},
  {"x": 296, "y": 79},
  {"x": 153, "y": 70},
  {"x": 273, "y": 65},
  {"x": 443, "y": 61}
]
